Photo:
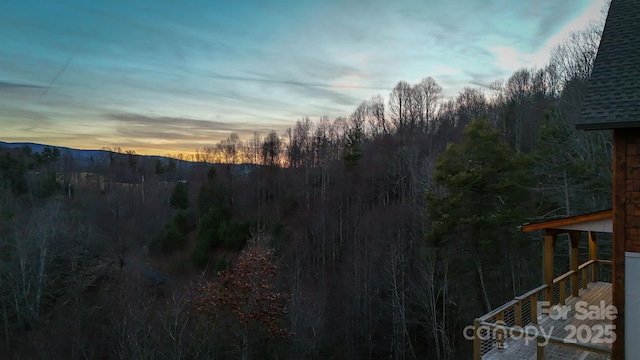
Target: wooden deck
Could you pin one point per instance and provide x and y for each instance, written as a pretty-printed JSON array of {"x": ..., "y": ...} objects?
[{"x": 521, "y": 349}]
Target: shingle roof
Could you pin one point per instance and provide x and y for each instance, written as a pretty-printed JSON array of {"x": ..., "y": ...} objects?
[{"x": 613, "y": 92}]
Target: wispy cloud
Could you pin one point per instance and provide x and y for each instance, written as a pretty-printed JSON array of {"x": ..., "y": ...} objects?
[
  {"x": 178, "y": 129},
  {"x": 7, "y": 85}
]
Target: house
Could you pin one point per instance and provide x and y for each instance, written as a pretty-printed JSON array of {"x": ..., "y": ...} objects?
[
  {"x": 612, "y": 102},
  {"x": 531, "y": 326}
]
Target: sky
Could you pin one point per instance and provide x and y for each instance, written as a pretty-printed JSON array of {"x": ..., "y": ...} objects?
[{"x": 169, "y": 76}]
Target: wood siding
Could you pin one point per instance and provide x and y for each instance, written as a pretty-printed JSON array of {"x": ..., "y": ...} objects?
[
  {"x": 632, "y": 190},
  {"x": 626, "y": 225}
]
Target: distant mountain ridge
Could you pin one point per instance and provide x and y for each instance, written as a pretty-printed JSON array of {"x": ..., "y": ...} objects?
[
  {"x": 78, "y": 154},
  {"x": 84, "y": 156}
]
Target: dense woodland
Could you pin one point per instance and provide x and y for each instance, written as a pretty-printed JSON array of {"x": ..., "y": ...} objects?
[{"x": 377, "y": 235}]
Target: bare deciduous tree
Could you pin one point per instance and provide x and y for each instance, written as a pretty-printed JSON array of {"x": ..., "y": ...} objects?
[{"x": 431, "y": 97}]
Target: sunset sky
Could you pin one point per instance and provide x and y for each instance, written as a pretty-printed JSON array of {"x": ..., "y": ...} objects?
[{"x": 168, "y": 76}]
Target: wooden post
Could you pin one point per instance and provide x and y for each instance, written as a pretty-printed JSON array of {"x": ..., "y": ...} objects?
[
  {"x": 518, "y": 313},
  {"x": 477, "y": 342},
  {"x": 499, "y": 340},
  {"x": 573, "y": 261},
  {"x": 547, "y": 268},
  {"x": 540, "y": 349},
  {"x": 534, "y": 309},
  {"x": 593, "y": 255}
]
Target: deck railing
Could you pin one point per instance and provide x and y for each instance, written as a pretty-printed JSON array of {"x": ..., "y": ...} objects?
[{"x": 492, "y": 329}]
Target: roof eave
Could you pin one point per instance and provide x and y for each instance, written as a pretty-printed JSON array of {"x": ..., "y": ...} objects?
[
  {"x": 608, "y": 125},
  {"x": 575, "y": 219}
]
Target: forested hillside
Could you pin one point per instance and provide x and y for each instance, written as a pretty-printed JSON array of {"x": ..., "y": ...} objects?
[{"x": 377, "y": 235}]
